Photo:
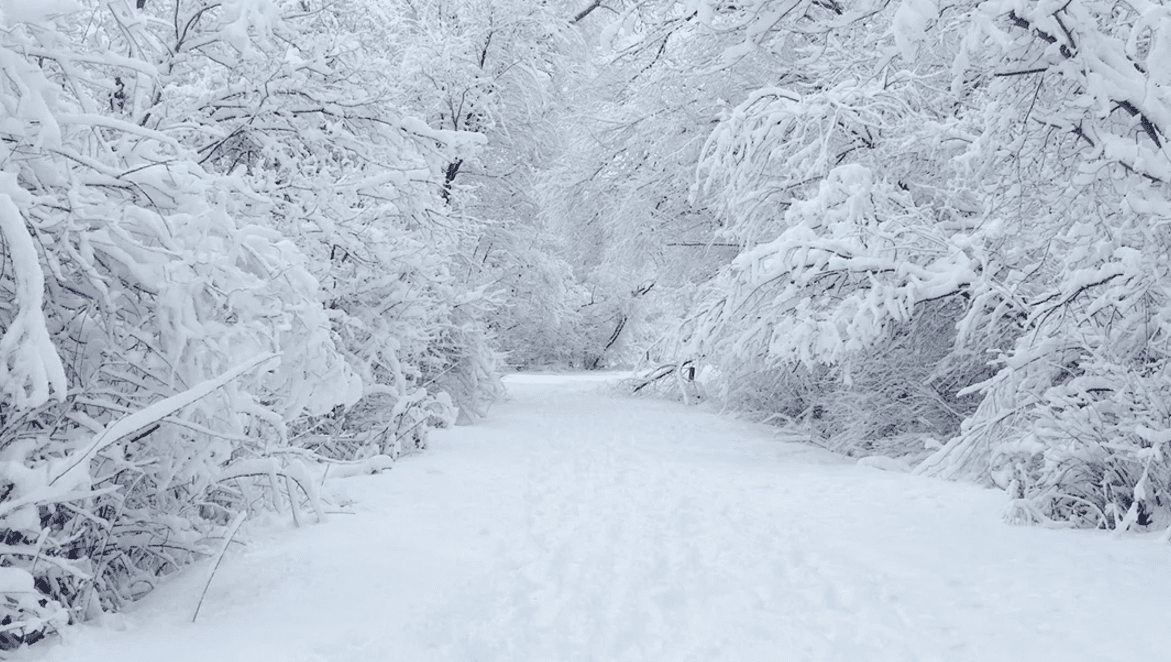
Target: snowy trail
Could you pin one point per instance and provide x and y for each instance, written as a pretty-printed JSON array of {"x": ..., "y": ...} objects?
[{"x": 574, "y": 525}]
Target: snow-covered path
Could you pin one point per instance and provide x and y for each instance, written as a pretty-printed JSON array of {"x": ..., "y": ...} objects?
[{"x": 574, "y": 525}]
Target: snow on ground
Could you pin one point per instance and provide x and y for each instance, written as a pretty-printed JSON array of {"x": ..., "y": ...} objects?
[{"x": 577, "y": 525}]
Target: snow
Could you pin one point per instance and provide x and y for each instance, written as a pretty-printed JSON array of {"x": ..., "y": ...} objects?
[
  {"x": 15, "y": 580},
  {"x": 23, "y": 11},
  {"x": 909, "y": 25},
  {"x": 29, "y": 364},
  {"x": 574, "y": 524}
]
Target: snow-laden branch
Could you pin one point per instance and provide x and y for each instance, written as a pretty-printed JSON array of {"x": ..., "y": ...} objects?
[
  {"x": 835, "y": 281},
  {"x": 1095, "y": 45},
  {"x": 73, "y": 469},
  {"x": 30, "y": 368}
]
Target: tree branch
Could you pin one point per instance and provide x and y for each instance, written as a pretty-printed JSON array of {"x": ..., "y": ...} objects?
[{"x": 585, "y": 12}]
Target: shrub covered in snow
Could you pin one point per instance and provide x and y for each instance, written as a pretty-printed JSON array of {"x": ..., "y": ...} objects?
[{"x": 952, "y": 224}]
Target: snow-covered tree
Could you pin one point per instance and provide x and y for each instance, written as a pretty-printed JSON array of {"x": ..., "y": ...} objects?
[
  {"x": 1073, "y": 424},
  {"x": 618, "y": 193},
  {"x": 954, "y": 184},
  {"x": 223, "y": 252}
]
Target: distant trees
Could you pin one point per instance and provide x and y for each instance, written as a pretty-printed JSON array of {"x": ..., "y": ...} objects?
[
  {"x": 619, "y": 192},
  {"x": 500, "y": 69}
]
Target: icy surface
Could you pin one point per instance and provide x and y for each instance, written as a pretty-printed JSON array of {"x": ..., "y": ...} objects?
[{"x": 575, "y": 525}]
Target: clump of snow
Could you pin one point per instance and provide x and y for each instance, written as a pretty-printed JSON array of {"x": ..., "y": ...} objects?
[
  {"x": 15, "y": 580},
  {"x": 371, "y": 465},
  {"x": 884, "y": 463},
  {"x": 1159, "y": 57},
  {"x": 30, "y": 369},
  {"x": 909, "y": 25}
]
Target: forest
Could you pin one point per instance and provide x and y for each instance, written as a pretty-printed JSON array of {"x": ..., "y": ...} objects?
[{"x": 243, "y": 242}]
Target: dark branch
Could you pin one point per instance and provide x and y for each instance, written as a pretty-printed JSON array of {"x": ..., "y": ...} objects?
[
  {"x": 1147, "y": 124},
  {"x": 702, "y": 244},
  {"x": 1039, "y": 70},
  {"x": 585, "y": 12},
  {"x": 449, "y": 175}
]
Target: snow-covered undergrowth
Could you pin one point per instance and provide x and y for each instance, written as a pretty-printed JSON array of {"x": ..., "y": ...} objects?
[
  {"x": 573, "y": 525},
  {"x": 190, "y": 315}
]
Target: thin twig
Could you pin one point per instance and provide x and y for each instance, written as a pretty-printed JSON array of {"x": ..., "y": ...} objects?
[{"x": 232, "y": 529}]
